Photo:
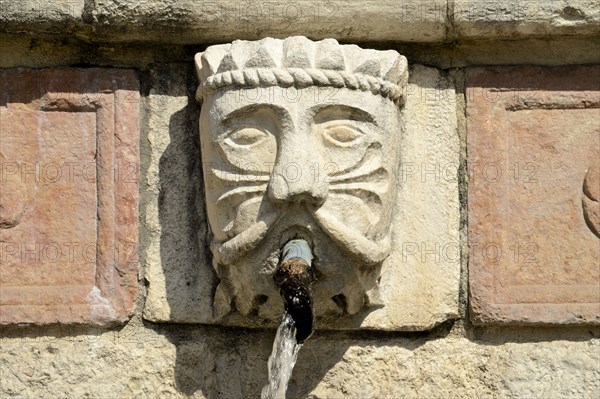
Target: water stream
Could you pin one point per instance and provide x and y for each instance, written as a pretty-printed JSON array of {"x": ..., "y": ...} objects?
[{"x": 282, "y": 360}]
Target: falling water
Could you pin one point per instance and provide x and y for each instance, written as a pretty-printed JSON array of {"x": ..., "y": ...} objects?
[{"x": 282, "y": 359}]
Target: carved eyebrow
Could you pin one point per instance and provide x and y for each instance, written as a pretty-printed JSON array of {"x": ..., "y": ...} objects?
[
  {"x": 330, "y": 112},
  {"x": 248, "y": 110}
]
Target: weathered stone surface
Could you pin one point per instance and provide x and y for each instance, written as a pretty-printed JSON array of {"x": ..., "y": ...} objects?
[
  {"x": 174, "y": 232},
  {"x": 191, "y": 22},
  {"x": 424, "y": 260},
  {"x": 533, "y": 137},
  {"x": 175, "y": 361},
  {"x": 526, "y": 18},
  {"x": 69, "y": 195},
  {"x": 57, "y": 16}
]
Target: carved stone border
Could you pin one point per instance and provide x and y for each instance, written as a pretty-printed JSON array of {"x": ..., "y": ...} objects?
[
  {"x": 113, "y": 95},
  {"x": 493, "y": 93}
]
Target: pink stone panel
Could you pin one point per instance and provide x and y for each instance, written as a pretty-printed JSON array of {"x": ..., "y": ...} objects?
[
  {"x": 533, "y": 149},
  {"x": 69, "y": 157}
]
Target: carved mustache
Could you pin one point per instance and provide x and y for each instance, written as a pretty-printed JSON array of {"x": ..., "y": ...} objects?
[
  {"x": 374, "y": 183},
  {"x": 369, "y": 251}
]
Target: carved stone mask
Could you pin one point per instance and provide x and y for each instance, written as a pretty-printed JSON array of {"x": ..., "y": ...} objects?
[{"x": 299, "y": 139}]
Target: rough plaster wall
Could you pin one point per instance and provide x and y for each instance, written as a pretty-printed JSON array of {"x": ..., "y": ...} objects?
[{"x": 150, "y": 361}]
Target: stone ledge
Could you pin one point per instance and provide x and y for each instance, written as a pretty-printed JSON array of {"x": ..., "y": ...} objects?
[
  {"x": 190, "y": 22},
  {"x": 43, "y": 17},
  {"x": 524, "y": 18},
  {"x": 197, "y": 21}
]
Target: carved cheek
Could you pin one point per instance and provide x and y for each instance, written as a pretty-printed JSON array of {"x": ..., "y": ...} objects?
[
  {"x": 361, "y": 213},
  {"x": 245, "y": 216},
  {"x": 360, "y": 184},
  {"x": 247, "y": 152}
]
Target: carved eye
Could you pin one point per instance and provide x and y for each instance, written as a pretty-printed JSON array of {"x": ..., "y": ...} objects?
[
  {"x": 247, "y": 136},
  {"x": 342, "y": 135}
]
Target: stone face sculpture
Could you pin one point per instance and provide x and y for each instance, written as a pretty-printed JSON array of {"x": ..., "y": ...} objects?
[{"x": 299, "y": 139}]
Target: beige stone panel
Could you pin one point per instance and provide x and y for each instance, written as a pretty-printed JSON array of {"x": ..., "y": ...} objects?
[
  {"x": 424, "y": 268},
  {"x": 534, "y": 155},
  {"x": 528, "y": 18},
  {"x": 69, "y": 195},
  {"x": 174, "y": 233}
]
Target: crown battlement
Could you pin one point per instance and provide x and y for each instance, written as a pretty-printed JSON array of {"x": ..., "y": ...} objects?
[{"x": 300, "y": 62}]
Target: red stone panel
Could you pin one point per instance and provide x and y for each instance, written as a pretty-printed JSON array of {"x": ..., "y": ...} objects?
[
  {"x": 533, "y": 149},
  {"x": 69, "y": 157}
]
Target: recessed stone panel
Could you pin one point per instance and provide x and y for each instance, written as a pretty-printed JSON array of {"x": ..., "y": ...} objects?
[
  {"x": 533, "y": 162},
  {"x": 69, "y": 195}
]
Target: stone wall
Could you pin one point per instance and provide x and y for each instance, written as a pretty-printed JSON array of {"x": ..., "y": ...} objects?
[{"x": 510, "y": 89}]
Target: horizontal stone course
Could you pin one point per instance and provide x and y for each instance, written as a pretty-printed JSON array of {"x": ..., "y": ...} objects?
[
  {"x": 487, "y": 19},
  {"x": 42, "y": 17},
  {"x": 190, "y": 22}
]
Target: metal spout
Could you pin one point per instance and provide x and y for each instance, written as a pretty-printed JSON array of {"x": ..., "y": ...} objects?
[{"x": 294, "y": 276}]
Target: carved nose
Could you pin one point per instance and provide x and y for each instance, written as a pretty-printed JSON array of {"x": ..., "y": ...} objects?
[
  {"x": 282, "y": 189},
  {"x": 298, "y": 178}
]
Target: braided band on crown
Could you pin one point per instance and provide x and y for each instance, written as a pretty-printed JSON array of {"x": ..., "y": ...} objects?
[{"x": 299, "y": 78}]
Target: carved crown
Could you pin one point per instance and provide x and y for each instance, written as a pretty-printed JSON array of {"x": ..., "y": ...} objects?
[{"x": 300, "y": 62}]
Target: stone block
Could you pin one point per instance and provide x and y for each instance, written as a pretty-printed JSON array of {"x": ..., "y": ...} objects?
[
  {"x": 420, "y": 278},
  {"x": 69, "y": 162},
  {"x": 424, "y": 268},
  {"x": 174, "y": 233},
  {"x": 533, "y": 162},
  {"x": 212, "y": 21},
  {"x": 58, "y": 16},
  {"x": 192, "y": 22},
  {"x": 525, "y": 18}
]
